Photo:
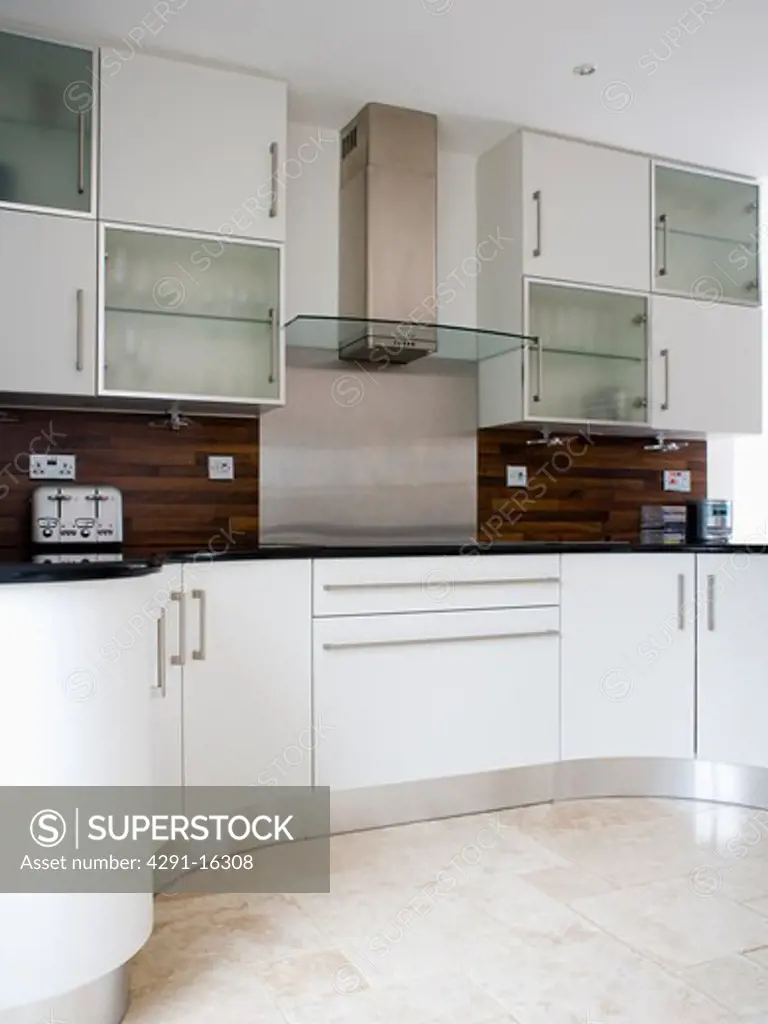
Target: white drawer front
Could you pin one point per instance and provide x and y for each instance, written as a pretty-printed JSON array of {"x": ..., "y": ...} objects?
[
  {"x": 367, "y": 586},
  {"x": 400, "y": 698}
]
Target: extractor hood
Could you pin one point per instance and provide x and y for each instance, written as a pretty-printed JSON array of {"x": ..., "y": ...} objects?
[{"x": 387, "y": 234}]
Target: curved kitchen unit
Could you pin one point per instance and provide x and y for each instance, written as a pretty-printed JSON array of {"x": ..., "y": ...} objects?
[{"x": 77, "y": 674}]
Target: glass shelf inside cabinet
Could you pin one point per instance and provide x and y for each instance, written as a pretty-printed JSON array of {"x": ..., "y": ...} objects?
[
  {"x": 186, "y": 316},
  {"x": 398, "y": 341},
  {"x": 592, "y": 362}
]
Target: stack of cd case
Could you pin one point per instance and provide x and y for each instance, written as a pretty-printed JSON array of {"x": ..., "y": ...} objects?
[{"x": 662, "y": 524}]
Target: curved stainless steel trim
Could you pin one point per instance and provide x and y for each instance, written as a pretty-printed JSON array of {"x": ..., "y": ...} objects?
[
  {"x": 379, "y": 806},
  {"x": 104, "y": 1001}
]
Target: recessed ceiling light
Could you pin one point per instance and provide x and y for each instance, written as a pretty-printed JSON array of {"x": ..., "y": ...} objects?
[{"x": 584, "y": 70}]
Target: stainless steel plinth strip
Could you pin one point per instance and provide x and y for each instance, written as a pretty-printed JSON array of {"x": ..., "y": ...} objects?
[{"x": 379, "y": 806}]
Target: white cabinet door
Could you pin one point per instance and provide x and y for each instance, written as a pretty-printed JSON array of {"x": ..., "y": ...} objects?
[
  {"x": 48, "y": 308},
  {"x": 163, "y": 615},
  {"x": 422, "y": 696},
  {"x": 247, "y": 674},
  {"x": 732, "y": 659},
  {"x": 192, "y": 147},
  {"x": 586, "y": 211},
  {"x": 706, "y": 366},
  {"x": 628, "y": 656}
]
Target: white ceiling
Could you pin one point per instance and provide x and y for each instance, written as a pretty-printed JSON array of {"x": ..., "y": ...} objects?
[{"x": 495, "y": 60}]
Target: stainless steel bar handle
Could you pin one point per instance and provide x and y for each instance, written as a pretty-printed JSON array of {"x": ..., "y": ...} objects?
[
  {"x": 420, "y": 641},
  {"x": 394, "y": 585},
  {"x": 81, "y": 153},
  {"x": 664, "y": 222},
  {"x": 537, "y": 199},
  {"x": 79, "y": 328},
  {"x": 539, "y": 372},
  {"x": 681, "y": 602},
  {"x": 273, "y": 153},
  {"x": 199, "y": 654},
  {"x": 180, "y": 658},
  {"x": 711, "y": 603},
  {"x": 162, "y": 653},
  {"x": 274, "y": 336},
  {"x": 665, "y": 357}
]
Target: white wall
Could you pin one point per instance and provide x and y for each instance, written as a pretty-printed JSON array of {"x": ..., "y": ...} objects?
[{"x": 312, "y": 251}]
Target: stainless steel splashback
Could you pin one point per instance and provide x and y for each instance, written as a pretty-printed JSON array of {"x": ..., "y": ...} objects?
[{"x": 363, "y": 455}]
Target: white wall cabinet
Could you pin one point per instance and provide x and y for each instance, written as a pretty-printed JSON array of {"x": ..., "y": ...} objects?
[
  {"x": 191, "y": 147},
  {"x": 706, "y": 238},
  {"x": 247, "y": 673},
  {"x": 421, "y": 696},
  {"x": 706, "y": 366},
  {"x": 48, "y": 309},
  {"x": 628, "y": 655},
  {"x": 190, "y": 318},
  {"x": 732, "y": 660},
  {"x": 585, "y": 213}
]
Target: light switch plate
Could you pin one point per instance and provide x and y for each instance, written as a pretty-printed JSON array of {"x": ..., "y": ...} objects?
[
  {"x": 221, "y": 467},
  {"x": 677, "y": 480},
  {"x": 52, "y": 467},
  {"x": 517, "y": 476}
]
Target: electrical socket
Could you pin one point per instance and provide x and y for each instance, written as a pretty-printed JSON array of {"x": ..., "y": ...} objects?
[
  {"x": 221, "y": 467},
  {"x": 51, "y": 467}
]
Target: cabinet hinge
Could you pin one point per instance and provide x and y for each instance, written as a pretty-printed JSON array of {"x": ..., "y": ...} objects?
[{"x": 640, "y": 318}]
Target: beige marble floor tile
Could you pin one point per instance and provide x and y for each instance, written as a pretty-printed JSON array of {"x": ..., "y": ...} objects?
[
  {"x": 669, "y": 922},
  {"x": 760, "y": 906},
  {"x": 438, "y": 999},
  {"x": 595, "y": 978},
  {"x": 628, "y": 855},
  {"x": 737, "y": 983},
  {"x": 567, "y": 883},
  {"x": 759, "y": 954},
  {"x": 740, "y": 880}
]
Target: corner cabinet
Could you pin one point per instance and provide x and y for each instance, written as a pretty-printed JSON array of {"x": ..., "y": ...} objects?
[
  {"x": 48, "y": 309},
  {"x": 192, "y": 148},
  {"x": 47, "y": 125},
  {"x": 190, "y": 317}
]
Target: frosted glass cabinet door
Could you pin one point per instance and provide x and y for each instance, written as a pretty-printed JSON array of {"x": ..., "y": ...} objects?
[
  {"x": 706, "y": 237},
  {"x": 591, "y": 361},
  {"x": 190, "y": 317},
  {"x": 46, "y": 118}
]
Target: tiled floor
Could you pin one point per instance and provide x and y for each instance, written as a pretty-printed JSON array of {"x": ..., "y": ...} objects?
[{"x": 601, "y": 911}]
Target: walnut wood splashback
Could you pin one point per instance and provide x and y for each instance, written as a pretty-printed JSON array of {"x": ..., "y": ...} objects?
[
  {"x": 590, "y": 489},
  {"x": 169, "y": 502}
]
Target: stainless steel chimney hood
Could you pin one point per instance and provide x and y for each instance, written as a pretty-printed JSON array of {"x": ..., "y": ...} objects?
[{"x": 387, "y": 234}]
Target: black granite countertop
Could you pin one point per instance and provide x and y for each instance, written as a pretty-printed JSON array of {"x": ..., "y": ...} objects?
[
  {"x": 271, "y": 551},
  {"x": 67, "y": 572}
]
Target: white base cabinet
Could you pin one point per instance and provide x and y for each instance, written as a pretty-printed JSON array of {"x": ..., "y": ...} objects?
[
  {"x": 247, "y": 673},
  {"x": 421, "y": 696},
  {"x": 231, "y": 697},
  {"x": 628, "y": 662},
  {"x": 733, "y": 659}
]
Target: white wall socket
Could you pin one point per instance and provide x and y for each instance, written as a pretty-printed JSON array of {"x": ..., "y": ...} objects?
[
  {"x": 221, "y": 467},
  {"x": 52, "y": 467},
  {"x": 517, "y": 476}
]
